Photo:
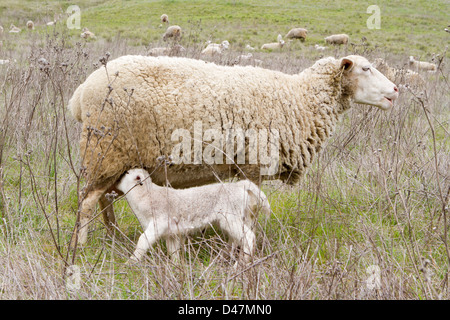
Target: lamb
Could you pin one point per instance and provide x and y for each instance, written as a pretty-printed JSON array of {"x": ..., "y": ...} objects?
[
  {"x": 421, "y": 65},
  {"x": 274, "y": 45},
  {"x": 246, "y": 59},
  {"x": 401, "y": 77},
  {"x": 14, "y": 29},
  {"x": 30, "y": 25},
  {"x": 173, "y": 32},
  {"x": 86, "y": 34},
  {"x": 170, "y": 213},
  {"x": 167, "y": 51},
  {"x": 337, "y": 39},
  {"x": 216, "y": 49},
  {"x": 320, "y": 48},
  {"x": 164, "y": 18},
  {"x": 173, "y": 95},
  {"x": 297, "y": 33}
]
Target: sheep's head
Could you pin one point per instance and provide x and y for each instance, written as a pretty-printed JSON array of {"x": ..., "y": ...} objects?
[
  {"x": 133, "y": 178},
  {"x": 367, "y": 84}
]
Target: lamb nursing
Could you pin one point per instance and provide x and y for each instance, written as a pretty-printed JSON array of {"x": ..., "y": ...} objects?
[
  {"x": 169, "y": 213},
  {"x": 171, "y": 94}
]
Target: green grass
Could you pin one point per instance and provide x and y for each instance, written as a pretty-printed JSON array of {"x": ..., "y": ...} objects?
[{"x": 410, "y": 28}]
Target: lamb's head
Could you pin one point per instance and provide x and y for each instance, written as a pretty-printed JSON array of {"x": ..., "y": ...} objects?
[
  {"x": 366, "y": 84},
  {"x": 133, "y": 178}
]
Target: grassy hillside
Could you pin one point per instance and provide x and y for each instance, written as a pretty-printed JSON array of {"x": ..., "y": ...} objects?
[{"x": 407, "y": 27}]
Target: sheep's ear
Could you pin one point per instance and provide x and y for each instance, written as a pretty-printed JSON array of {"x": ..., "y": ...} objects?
[{"x": 347, "y": 64}]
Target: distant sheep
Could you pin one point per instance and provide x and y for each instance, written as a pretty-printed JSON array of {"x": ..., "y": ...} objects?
[
  {"x": 169, "y": 213},
  {"x": 421, "y": 65},
  {"x": 247, "y": 59},
  {"x": 86, "y": 34},
  {"x": 164, "y": 18},
  {"x": 14, "y": 29},
  {"x": 216, "y": 49},
  {"x": 1, "y": 30},
  {"x": 337, "y": 39},
  {"x": 30, "y": 25},
  {"x": 172, "y": 32},
  {"x": 319, "y": 48},
  {"x": 274, "y": 45},
  {"x": 167, "y": 51},
  {"x": 297, "y": 33},
  {"x": 401, "y": 77},
  {"x": 120, "y": 132}
]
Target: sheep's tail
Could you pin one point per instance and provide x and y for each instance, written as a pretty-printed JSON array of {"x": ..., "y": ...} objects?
[{"x": 75, "y": 103}]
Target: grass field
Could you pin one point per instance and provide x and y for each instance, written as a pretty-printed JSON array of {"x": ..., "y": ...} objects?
[{"x": 374, "y": 205}]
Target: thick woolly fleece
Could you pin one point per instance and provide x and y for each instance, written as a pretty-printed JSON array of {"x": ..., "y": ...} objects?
[{"x": 130, "y": 111}]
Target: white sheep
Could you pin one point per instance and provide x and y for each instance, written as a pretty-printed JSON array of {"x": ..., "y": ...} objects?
[
  {"x": 4, "y": 62},
  {"x": 421, "y": 65},
  {"x": 297, "y": 33},
  {"x": 249, "y": 47},
  {"x": 30, "y": 25},
  {"x": 216, "y": 48},
  {"x": 14, "y": 29},
  {"x": 319, "y": 48},
  {"x": 172, "y": 32},
  {"x": 246, "y": 59},
  {"x": 167, "y": 51},
  {"x": 86, "y": 34},
  {"x": 401, "y": 77},
  {"x": 120, "y": 132},
  {"x": 274, "y": 45},
  {"x": 164, "y": 18},
  {"x": 337, "y": 39},
  {"x": 169, "y": 213}
]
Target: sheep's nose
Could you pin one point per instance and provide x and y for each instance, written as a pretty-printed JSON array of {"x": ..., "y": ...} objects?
[{"x": 395, "y": 89}]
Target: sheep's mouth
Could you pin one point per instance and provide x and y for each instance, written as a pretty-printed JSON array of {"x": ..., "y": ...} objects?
[{"x": 391, "y": 101}]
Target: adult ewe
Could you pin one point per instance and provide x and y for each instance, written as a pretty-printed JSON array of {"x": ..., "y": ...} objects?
[
  {"x": 123, "y": 129},
  {"x": 297, "y": 33},
  {"x": 337, "y": 39},
  {"x": 172, "y": 32}
]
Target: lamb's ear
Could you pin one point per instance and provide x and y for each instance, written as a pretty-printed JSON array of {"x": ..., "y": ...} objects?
[{"x": 347, "y": 64}]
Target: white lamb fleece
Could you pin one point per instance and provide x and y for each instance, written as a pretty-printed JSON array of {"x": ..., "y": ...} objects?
[
  {"x": 131, "y": 129},
  {"x": 167, "y": 213}
]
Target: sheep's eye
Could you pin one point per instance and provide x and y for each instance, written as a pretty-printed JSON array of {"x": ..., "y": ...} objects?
[
  {"x": 138, "y": 178},
  {"x": 366, "y": 68}
]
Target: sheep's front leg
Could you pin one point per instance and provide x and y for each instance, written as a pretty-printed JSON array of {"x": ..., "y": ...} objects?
[
  {"x": 241, "y": 234},
  {"x": 154, "y": 231}
]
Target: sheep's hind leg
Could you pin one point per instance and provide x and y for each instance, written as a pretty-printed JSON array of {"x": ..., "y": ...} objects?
[
  {"x": 87, "y": 210},
  {"x": 107, "y": 209}
]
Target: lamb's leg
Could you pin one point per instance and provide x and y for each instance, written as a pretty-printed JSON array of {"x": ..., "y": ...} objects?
[
  {"x": 86, "y": 212},
  {"x": 240, "y": 233},
  {"x": 174, "y": 247},
  {"x": 107, "y": 209},
  {"x": 154, "y": 231}
]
